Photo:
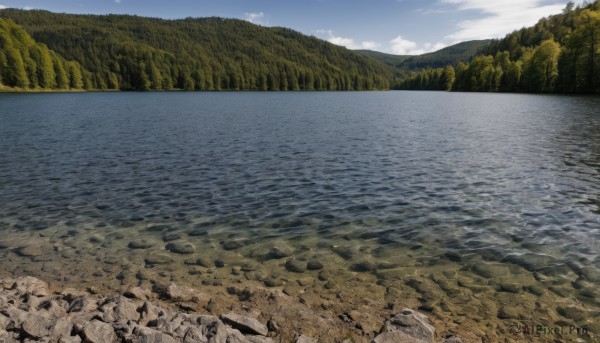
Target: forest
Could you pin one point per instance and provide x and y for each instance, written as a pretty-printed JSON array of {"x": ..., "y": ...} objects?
[
  {"x": 560, "y": 54},
  {"x": 26, "y": 64},
  {"x": 120, "y": 52}
]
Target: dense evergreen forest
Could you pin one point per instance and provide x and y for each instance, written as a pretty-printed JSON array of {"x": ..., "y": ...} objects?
[
  {"x": 135, "y": 53},
  {"x": 26, "y": 64},
  {"x": 560, "y": 53}
]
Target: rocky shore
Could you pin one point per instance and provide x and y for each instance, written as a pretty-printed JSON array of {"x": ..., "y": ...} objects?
[{"x": 31, "y": 312}]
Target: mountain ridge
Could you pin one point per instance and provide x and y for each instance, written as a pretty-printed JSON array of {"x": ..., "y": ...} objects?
[{"x": 138, "y": 53}]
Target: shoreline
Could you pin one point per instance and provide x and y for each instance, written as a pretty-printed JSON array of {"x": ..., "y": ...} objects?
[{"x": 31, "y": 311}]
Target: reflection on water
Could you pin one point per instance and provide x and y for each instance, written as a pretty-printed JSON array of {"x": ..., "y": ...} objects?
[{"x": 479, "y": 208}]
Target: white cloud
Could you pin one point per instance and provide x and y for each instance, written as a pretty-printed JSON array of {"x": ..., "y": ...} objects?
[
  {"x": 500, "y": 16},
  {"x": 118, "y": 1},
  {"x": 347, "y": 42},
  {"x": 402, "y": 46},
  {"x": 255, "y": 17},
  {"x": 27, "y": 8}
]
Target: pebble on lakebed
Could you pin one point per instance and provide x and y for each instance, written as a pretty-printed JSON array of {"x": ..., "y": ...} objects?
[{"x": 30, "y": 312}]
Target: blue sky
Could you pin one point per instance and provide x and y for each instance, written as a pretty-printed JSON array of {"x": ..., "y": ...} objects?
[{"x": 393, "y": 26}]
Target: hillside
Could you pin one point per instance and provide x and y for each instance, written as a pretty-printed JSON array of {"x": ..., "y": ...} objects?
[
  {"x": 559, "y": 54},
  {"x": 137, "y": 53},
  {"x": 452, "y": 55},
  {"x": 26, "y": 64},
  {"x": 387, "y": 59}
]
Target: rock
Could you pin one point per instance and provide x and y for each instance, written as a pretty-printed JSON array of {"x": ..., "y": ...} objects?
[
  {"x": 408, "y": 326},
  {"x": 530, "y": 261},
  {"x": 140, "y": 244},
  {"x": 7, "y": 337},
  {"x": 344, "y": 252},
  {"x": 125, "y": 310},
  {"x": 489, "y": 271},
  {"x": 138, "y": 293},
  {"x": 149, "y": 312},
  {"x": 397, "y": 337},
  {"x": 198, "y": 232},
  {"x": 193, "y": 335},
  {"x": 245, "y": 324},
  {"x": 70, "y": 339},
  {"x": 96, "y": 239},
  {"x": 279, "y": 251},
  {"x": 98, "y": 332},
  {"x": 258, "y": 339},
  {"x": 510, "y": 287},
  {"x": 16, "y": 316},
  {"x": 169, "y": 237},
  {"x": 574, "y": 313},
  {"x": 180, "y": 248},
  {"x": 232, "y": 245},
  {"x": 591, "y": 273},
  {"x": 158, "y": 259},
  {"x": 62, "y": 328},
  {"x": 198, "y": 262},
  {"x": 32, "y": 286},
  {"x": 52, "y": 309},
  {"x": 508, "y": 312},
  {"x": 4, "y": 322},
  {"x": 70, "y": 294},
  {"x": 453, "y": 339},
  {"x": 37, "y": 326},
  {"x": 363, "y": 267},
  {"x": 305, "y": 339},
  {"x": 314, "y": 265},
  {"x": 295, "y": 266},
  {"x": 217, "y": 332},
  {"x": 148, "y": 335},
  {"x": 33, "y": 250},
  {"x": 177, "y": 293},
  {"x": 82, "y": 304},
  {"x": 272, "y": 282},
  {"x": 247, "y": 267}
]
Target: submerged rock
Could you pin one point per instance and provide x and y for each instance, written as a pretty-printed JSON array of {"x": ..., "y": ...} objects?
[
  {"x": 232, "y": 245},
  {"x": 314, "y": 265},
  {"x": 140, "y": 244},
  {"x": 158, "y": 259},
  {"x": 180, "y": 248},
  {"x": 295, "y": 266}
]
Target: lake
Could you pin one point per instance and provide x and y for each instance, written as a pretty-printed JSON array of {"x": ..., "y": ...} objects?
[{"x": 480, "y": 209}]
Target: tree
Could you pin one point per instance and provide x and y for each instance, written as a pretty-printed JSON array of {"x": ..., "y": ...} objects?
[
  {"x": 62, "y": 78},
  {"x": 448, "y": 78},
  {"x": 15, "y": 74},
  {"x": 544, "y": 67},
  {"x": 75, "y": 77},
  {"x": 46, "y": 74}
]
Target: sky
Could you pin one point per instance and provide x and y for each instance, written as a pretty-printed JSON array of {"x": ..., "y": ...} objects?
[{"x": 401, "y": 27}]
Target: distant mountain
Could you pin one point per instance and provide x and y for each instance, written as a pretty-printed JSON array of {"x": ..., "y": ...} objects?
[
  {"x": 461, "y": 52},
  {"x": 137, "y": 53},
  {"x": 388, "y": 59}
]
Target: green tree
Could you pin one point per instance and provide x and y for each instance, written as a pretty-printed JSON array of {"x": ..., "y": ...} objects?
[
  {"x": 448, "y": 78},
  {"x": 75, "y": 77},
  {"x": 15, "y": 74}
]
